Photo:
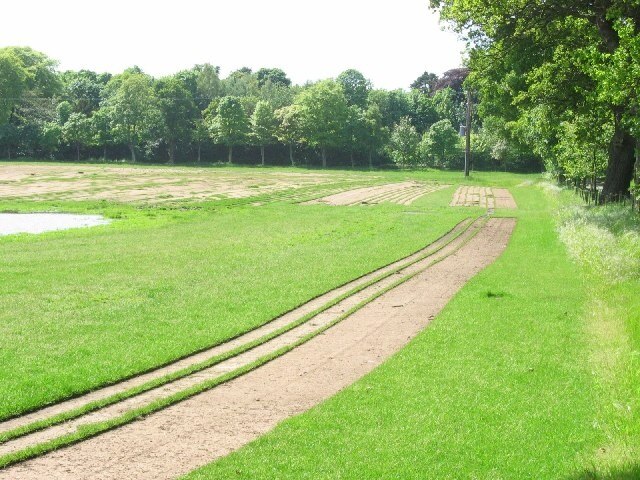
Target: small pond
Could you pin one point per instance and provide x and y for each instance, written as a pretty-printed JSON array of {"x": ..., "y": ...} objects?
[{"x": 46, "y": 222}]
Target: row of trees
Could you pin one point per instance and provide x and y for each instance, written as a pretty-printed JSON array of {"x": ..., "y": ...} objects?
[
  {"x": 559, "y": 79},
  {"x": 193, "y": 114}
]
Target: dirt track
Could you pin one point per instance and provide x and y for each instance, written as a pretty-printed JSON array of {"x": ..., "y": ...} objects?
[
  {"x": 484, "y": 197},
  {"x": 194, "y": 432},
  {"x": 404, "y": 193}
]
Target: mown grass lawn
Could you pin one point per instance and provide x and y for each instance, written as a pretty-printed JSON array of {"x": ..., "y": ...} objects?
[
  {"x": 510, "y": 381},
  {"x": 83, "y": 308}
]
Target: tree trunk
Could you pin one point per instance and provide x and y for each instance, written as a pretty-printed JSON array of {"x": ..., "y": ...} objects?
[
  {"x": 104, "y": 152},
  {"x": 291, "y": 155},
  {"x": 77, "y": 152},
  {"x": 172, "y": 152},
  {"x": 199, "y": 152},
  {"x": 133, "y": 153},
  {"x": 230, "y": 154},
  {"x": 262, "y": 154},
  {"x": 620, "y": 165},
  {"x": 370, "y": 160},
  {"x": 9, "y": 152},
  {"x": 353, "y": 163},
  {"x": 323, "y": 152}
]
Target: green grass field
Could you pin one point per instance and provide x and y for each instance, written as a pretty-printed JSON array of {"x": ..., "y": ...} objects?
[
  {"x": 531, "y": 371},
  {"x": 84, "y": 308}
]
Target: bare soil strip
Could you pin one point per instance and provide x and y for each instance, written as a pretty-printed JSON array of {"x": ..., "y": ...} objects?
[
  {"x": 212, "y": 424},
  {"x": 483, "y": 197},
  {"x": 403, "y": 193},
  {"x": 188, "y": 362},
  {"x": 153, "y": 185}
]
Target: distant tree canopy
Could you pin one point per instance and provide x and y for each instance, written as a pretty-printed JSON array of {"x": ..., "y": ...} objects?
[
  {"x": 197, "y": 115},
  {"x": 557, "y": 78}
]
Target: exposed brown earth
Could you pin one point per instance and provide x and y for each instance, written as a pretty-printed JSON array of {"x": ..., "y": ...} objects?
[
  {"x": 404, "y": 193},
  {"x": 483, "y": 197},
  {"x": 148, "y": 185},
  {"x": 192, "y": 433}
]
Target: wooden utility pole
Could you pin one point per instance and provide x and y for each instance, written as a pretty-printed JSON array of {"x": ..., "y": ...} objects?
[{"x": 467, "y": 150}]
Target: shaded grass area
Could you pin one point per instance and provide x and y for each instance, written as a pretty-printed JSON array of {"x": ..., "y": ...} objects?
[
  {"x": 500, "y": 385},
  {"x": 85, "y": 308}
]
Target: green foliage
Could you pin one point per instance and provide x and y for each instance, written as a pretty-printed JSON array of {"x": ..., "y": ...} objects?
[
  {"x": 447, "y": 107},
  {"x": 441, "y": 143},
  {"x": 323, "y": 112},
  {"x": 393, "y": 105},
  {"x": 178, "y": 112},
  {"x": 13, "y": 82},
  {"x": 263, "y": 125},
  {"x": 275, "y": 76},
  {"x": 425, "y": 83},
  {"x": 230, "y": 125},
  {"x": 423, "y": 111},
  {"x": 77, "y": 131},
  {"x": 64, "y": 111},
  {"x": 42, "y": 79},
  {"x": 356, "y": 87},
  {"x": 84, "y": 90},
  {"x": 208, "y": 85},
  {"x": 404, "y": 144},
  {"x": 543, "y": 63},
  {"x": 133, "y": 109}
]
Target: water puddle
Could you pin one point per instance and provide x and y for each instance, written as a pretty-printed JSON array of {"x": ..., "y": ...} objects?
[{"x": 11, "y": 223}]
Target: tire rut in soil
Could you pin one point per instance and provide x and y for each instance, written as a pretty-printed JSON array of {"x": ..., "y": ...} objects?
[{"x": 119, "y": 408}]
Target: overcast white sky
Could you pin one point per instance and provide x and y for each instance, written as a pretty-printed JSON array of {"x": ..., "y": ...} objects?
[{"x": 390, "y": 42}]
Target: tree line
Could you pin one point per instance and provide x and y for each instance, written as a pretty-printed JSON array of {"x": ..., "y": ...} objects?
[
  {"x": 195, "y": 115},
  {"x": 559, "y": 79}
]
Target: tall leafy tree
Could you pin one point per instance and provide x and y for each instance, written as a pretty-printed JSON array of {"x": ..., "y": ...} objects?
[
  {"x": 289, "y": 129},
  {"x": 230, "y": 125},
  {"x": 101, "y": 130},
  {"x": 178, "y": 112},
  {"x": 356, "y": 87},
  {"x": 133, "y": 109},
  {"x": 376, "y": 132},
  {"x": 404, "y": 144},
  {"x": 208, "y": 84},
  {"x": 77, "y": 131},
  {"x": 323, "y": 115},
  {"x": 13, "y": 82},
  {"x": 425, "y": 83},
  {"x": 555, "y": 53},
  {"x": 263, "y": 126},
  {"x": 83, "y": 90},
  {"x": 275, "y": 76},
  {"x": 441, "y": 142}
]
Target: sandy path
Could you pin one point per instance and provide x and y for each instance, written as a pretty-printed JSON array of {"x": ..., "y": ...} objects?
[{"x": 192, "y": 433}]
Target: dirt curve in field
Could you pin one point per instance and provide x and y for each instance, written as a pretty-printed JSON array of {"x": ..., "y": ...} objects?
[
  {"x": 404, "y": 193},
  {"x": 484, "y": 197},
  {"x": 192, "y": 433},
  {"x": 151, "y": 184},
  {"x": 382, "y": 278}
]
